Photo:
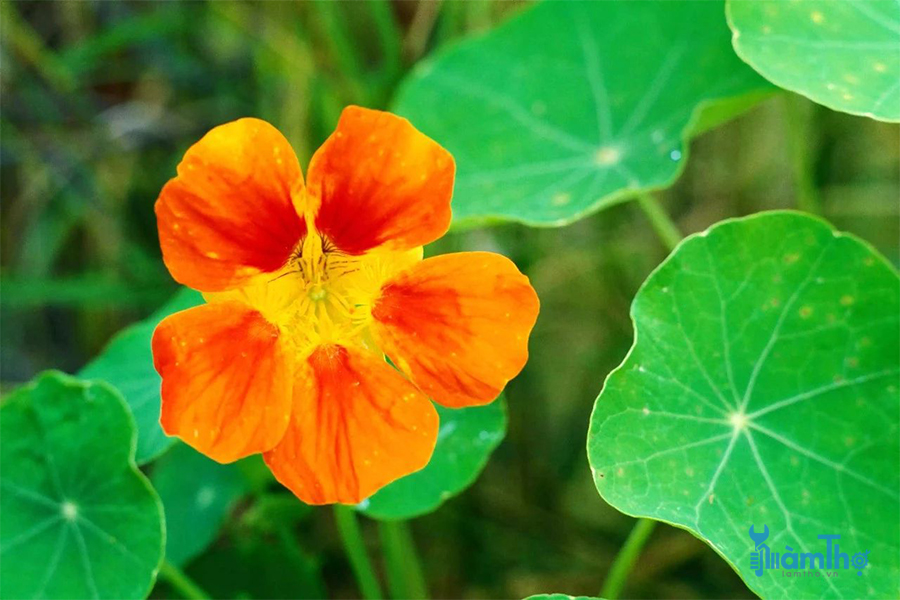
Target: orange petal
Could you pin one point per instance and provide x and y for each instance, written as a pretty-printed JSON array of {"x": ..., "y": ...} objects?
[
  {"x": 228, "y": 215},
  {"x": 357, "y": 425},
  {"x": 458, "y": 325},
  {"x": 381, "y": 181},
  {"x": 226, "y": 384}
]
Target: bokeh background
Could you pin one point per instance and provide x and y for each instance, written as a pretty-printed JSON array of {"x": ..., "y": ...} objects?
[{"x": 100, "y": 101}]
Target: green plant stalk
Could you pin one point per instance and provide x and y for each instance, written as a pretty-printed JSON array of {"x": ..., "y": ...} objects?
[
  {"x": 420, "y": 29},
  {"x": 342, "y": 48},
  {"x": 625, "y": 559},
  {"x": 404, "y": 569},
  {"x": 800, "y": 112},
  {"x": 478, "y": 15},
  {"x": 662, "y": 224},
  {"x": 389, "y": 37},
  {"x": 449, "y": 23},
  {"x": 351, "y": 536},
  {"x": 182, "y": 584}
]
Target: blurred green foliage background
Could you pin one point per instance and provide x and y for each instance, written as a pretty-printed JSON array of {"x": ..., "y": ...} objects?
[{"x": 99, "y": 102}]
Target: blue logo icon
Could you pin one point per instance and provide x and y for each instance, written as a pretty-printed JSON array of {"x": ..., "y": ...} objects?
[
  {"x": 762, "y": 557},
  {"x": 761, "y": 552}
]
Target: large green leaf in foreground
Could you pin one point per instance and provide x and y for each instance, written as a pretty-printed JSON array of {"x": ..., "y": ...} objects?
[
  {"x": 845, "y": 55},
  {"x": 127, "y": 363},
  {"x": 572, "y": 106},
  {"x": 466, "y": 438},
  {"x": 762, "y": 390},
  {"x": 77, "y": 518}
]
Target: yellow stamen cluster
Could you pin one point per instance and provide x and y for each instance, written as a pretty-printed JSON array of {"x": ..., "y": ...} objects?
[{"x": 322, "y": 295}]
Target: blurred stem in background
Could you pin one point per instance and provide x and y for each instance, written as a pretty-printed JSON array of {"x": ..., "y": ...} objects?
[
  {"x": 404, "y": 569},
  {"x": 180, "y": 582},
  {"x": 420, "y": 29},
  {"x": 342, "y": 49},
  {"x": 29, "y": 45},
  {"x": 351, "y": 536},
  {"x": 800, "y": 114},
  {"x": 625, "y": 559},
  {"x": 389, "y": 38},
  {"x": 662, "y": 224}
]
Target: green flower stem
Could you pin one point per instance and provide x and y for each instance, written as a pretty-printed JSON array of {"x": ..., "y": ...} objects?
[
  {"x": 625, "y": 559},
  {"x": 404, "y": 569},
  {"x": 182, "y": 584},
  {"x": 351, "y": 536},
  {"x": 662, "y": 224}
]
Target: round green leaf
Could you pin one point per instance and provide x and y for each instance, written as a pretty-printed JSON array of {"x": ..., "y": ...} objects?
[
  {"x": 762, "y": 390},
  {"x": 78, "y": 519},
  {"x": 466, "y": 439},
  {"x": 570, "y": 107},
  {"x": 127, "y": 364},
  {"x": 197, "y": 494},
  {"x": 841, "y": 54}
]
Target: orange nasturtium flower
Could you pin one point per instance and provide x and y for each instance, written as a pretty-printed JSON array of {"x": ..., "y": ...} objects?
[{"x": 309, "y": 286}]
